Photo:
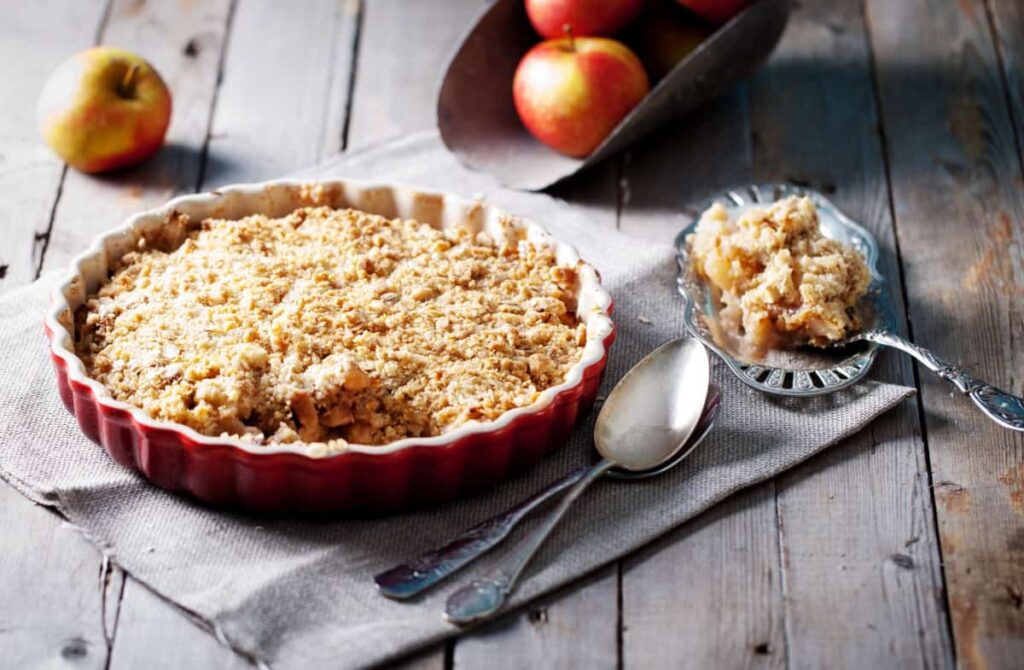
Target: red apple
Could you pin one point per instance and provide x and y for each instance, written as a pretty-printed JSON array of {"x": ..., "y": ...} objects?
[
  {"x": 716, "y": 11},
  {"x": 585, "y": 17},
  {"x": 664, "y": 34},
  {"x": 571, "y": 92},
  {"x": 104, "y": 108}
]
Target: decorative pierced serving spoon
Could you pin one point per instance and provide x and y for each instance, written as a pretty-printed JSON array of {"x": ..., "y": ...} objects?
[
  {"x": 1004, "y": 408},
  {"x": 810, "y": 371}
]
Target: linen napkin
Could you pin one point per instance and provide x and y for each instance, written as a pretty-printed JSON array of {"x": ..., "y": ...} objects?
[{"x": 296, "y": 593}]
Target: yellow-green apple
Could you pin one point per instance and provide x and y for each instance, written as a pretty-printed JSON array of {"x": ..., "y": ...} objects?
[
  {"x": 104, "y": 108},
  {"x": 716, "y": 11},
  {"x": 585, "y": 17},
  {"x": 571, "y": 92},
  {"x": 664, "y": 34}
]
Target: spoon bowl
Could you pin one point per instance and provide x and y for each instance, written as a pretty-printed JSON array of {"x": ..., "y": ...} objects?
[
  {"x": 712, "y": 406},
  {"x": 650, "y": 415}
]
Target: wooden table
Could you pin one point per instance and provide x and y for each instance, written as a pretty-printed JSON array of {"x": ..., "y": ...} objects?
[{"x": 903, "y": 547}]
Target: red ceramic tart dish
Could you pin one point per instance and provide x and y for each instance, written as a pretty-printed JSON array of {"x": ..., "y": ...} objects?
[{"x": 292, "y": 478}]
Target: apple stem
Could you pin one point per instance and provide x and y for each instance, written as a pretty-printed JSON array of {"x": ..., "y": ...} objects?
[
  {"x": 567, "y": 28},
  {"x": 129, "y": 78}
]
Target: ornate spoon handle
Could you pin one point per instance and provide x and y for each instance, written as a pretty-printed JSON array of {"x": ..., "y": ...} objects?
[
  {"x": 484, "y": 596},
  {"x": 1004, "y": 408},
  {"x": 415, "y": 576}
]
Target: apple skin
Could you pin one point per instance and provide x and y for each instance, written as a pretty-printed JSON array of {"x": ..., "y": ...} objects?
[
  {"x": 93, "y": 120},
  {"x": 664, "y": 34},
  {"x": 585, "y": 17},
  {"x": 716, "y": 11},
  {"x": 570, "y": 93}
]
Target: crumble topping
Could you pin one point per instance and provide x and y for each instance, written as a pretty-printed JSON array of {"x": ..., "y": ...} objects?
[
  {"x": 331, "y": 326},
  {"x": 782, "y": 282}
]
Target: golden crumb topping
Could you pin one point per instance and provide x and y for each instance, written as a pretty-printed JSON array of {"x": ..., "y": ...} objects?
[
  {"x": 331, "y": 326},
  {"x": 782, "y": 282}
]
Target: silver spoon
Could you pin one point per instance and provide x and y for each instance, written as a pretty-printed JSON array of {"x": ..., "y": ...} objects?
[
  {"x": 421, "y": 573},
  {"x": 646, "y": 420}
]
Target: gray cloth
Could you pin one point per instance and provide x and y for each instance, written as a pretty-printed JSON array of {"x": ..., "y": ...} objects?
[{"x": 295, "y": 593}]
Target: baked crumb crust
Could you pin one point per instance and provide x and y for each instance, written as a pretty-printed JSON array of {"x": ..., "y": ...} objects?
[
  {"x": 331, "y": 326},
  {"x": 782, "y": 282}
]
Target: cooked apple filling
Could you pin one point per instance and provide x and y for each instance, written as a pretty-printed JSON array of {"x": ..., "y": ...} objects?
[
  {"x": 782, "y": 282},
  {"x": 331, "y": 326}
]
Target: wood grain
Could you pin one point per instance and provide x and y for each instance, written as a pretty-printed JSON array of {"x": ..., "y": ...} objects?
[
  {"x": 576, "y": 627},
  {"x": 195, "y": 51},
  {"x": 284, "y": 95},
  {"x": 861, "y": 564},
  {"x": 851, "y": 535},
  {"x": 155, "y": 635},
  {"x": 404, "y": 47},
  {"x": 958, "y": 198},
  {"x": 710, "y": 594},
  {"x": 185, "y": 45},
  {"x": 60, "y": 598},
  {"x": 1008, "y": 28},
  {"x": 35, "y": 37},
  {"x": 59, "y": 595}
]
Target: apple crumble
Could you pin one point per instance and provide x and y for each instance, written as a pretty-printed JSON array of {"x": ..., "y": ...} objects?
[
  {"x": 782, "y": 283},
  {"x": 331, "y": 326}
]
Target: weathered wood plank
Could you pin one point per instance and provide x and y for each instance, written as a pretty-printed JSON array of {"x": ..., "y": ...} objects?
[
  {"x": 1008, "y": 24},
  {"x": 155, "y": 635},
  {"x": 861, "y": 565},
  {"x": 188, "y": 47},
  {"x": 958, "y": 198},
  {"x": 185, "y": 45},
  {"x": 709, "y": 595},
  {"x": 65, "y": 595},
  {"x": 577, "y": 627},
  {"x": 404, "y": 47},
  {"x": 60, "y": 597},
  {"x": 284, "y": 95},
  {"x": 35, "y": 37},
  {"x": 403, "y": 50}
]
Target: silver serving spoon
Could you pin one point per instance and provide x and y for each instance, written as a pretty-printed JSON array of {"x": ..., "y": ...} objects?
[
  {"x": 429, "y": 568},
  {"x": 647, "y": 419},
  {"x": 811, "y": 371}
]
